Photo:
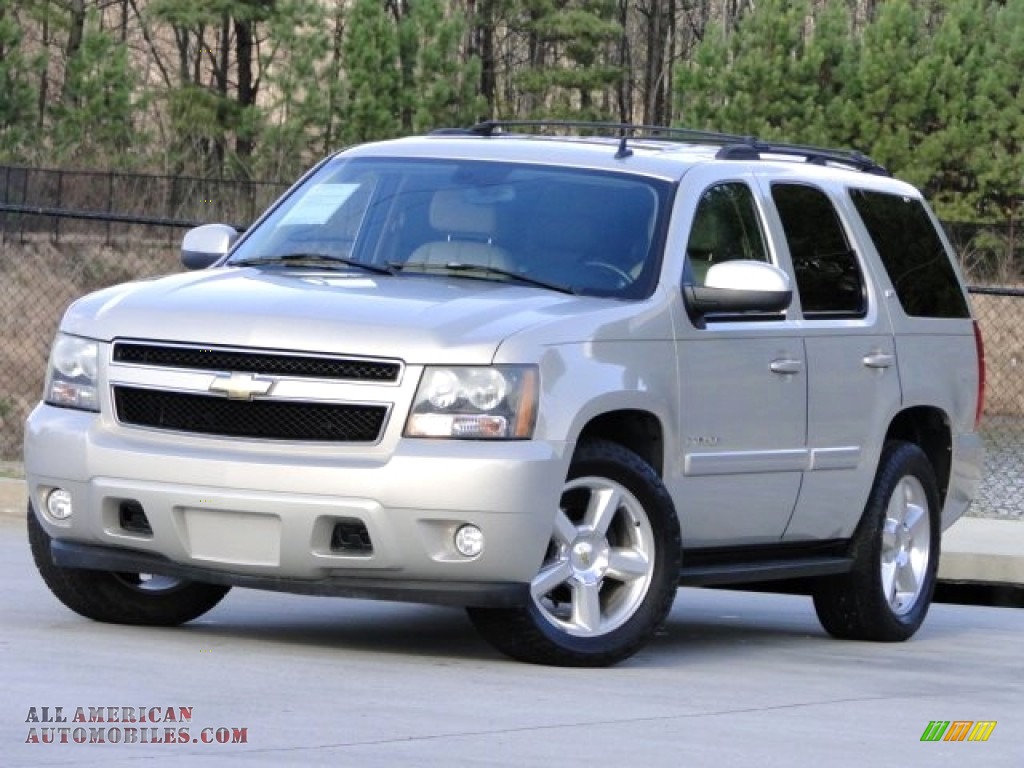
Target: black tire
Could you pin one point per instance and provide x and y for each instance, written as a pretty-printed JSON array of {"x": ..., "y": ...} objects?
[
  {"x": 886, "y": 596},
  {"x": 120, "y": 598},
  {"x": 609, "y": 576}
]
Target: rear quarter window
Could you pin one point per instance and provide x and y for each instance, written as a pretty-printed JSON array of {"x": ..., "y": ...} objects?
[{"x": 912, "y": 253}]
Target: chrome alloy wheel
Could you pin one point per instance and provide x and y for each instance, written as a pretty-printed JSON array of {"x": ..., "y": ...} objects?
[
  {"x": 600, "y": 561},
  {"x": 906, "y": 548}
]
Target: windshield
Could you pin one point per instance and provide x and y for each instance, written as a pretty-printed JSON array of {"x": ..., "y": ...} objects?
[{"x": 586, "y": 232}]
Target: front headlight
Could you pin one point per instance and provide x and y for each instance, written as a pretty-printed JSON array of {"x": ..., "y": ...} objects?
[
  {"x": 488, "y": 402},
  {"x": 71, "y": 377}
]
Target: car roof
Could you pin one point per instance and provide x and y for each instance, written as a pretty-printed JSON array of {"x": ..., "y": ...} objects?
[
  {"x": 665, "y": 153},
  {"x": 659, "y": 159}
]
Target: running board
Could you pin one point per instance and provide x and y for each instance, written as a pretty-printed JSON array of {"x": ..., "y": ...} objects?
[
  {"x": 777, "y": 570},
  {"x": 772, "y": 562}
]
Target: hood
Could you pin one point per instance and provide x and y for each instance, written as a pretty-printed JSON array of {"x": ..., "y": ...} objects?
[{"x": 417, "y": 318}]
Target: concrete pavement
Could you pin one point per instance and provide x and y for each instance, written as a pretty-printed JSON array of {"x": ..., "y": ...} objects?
[
  {"x": 733, "y": 679},
  {"x": 977, "y": 550}
]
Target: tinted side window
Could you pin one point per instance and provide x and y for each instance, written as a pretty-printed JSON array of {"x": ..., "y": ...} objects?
[
  {"x": 726, "y": 226},
  {"x": 827, "y": 274},
  {"x": 912, "y": 254}
]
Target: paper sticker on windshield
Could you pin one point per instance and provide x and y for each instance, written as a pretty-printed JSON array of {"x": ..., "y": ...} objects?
[{"x": 318, "y": 204}]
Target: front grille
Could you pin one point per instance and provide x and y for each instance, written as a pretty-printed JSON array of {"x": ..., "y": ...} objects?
[
  {"x": 270, "y": 419},
  {"x": 270, "y": 363}
]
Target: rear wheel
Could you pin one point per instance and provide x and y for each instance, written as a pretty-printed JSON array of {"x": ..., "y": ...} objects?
[
  {"x": 121, "y": 598},
  {"x": 610, "y": 571},
  {"x": 896, "y": 554}
]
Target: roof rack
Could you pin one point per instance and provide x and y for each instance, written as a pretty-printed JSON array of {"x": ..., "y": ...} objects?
[
  {"x": 756, "y": 150},
  {"x": 733, "y": 146},
  {"x": 631, "y": 130}
]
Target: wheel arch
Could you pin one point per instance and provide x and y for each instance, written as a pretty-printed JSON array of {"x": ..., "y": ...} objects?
[
  {"x": 638, "y": 430},
  {"x": 928, "y": 428}
]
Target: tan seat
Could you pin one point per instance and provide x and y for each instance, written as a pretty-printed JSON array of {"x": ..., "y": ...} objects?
[
  {"x": 469, "y": 230},
  {"x": 712, "y": 241}
]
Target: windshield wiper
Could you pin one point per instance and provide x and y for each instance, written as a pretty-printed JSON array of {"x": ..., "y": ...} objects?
[
  {"x": 301, "y": 259},
  {"x": 483, "y": 270}
]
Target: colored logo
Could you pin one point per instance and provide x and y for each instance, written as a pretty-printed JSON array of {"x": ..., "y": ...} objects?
[{"x": 958, "y": 730}]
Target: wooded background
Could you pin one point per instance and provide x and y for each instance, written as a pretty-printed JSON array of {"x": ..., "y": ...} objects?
[{"x": 261, "y": 88}]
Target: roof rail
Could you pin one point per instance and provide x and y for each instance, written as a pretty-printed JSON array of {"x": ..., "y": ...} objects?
[
  {"x": 756, "y": 150},
  {"x": 631, "y": 130},
  {"x": 733, "y": 146}
]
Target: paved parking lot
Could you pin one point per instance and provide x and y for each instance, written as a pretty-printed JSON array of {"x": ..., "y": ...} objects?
[{"x": 735, "y": 679}]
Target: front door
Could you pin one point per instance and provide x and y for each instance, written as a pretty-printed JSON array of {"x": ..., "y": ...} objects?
[{"x": 743, "y": 388}]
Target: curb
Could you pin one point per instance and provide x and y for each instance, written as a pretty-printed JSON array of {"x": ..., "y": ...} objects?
[
  {"x": 983, "y": 551},
  {"x": 13, "y": 498}
]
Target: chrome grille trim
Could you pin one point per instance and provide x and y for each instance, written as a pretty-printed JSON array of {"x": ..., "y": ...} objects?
[{"x": 257, "y": 361}]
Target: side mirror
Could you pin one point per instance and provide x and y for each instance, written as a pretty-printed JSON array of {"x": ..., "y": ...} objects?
[
  {"x": 732, "y": 287},
  {"x": 205, "y": 245}
]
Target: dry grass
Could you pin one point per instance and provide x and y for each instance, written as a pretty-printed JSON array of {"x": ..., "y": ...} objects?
[{"x": 38, "y": 280}]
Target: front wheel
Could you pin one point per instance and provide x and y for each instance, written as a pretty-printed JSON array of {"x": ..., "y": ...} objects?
[
  {"x": 121, "y": 598},
  {"x": 610, "y": 571},
  {"x": 896, "y": 554}
]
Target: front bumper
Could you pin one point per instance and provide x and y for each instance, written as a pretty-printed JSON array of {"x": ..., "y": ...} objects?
[
  {"x": 262, "y": 514},
  {"x": 72, "y": 554}
]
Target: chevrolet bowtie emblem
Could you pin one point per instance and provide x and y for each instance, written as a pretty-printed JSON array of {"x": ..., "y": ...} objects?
[{"x": 241, "y": 386}]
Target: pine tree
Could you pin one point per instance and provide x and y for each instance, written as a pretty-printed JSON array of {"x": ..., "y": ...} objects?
[
  {"x": 95, "y": 121},
  {"x": 569, "y": 69},
  {"x": 445, "y": 87},
  {"x": 18, "y": 70},
  {"x": 776, "y": 75},
  {"x": 955, "y": 62},
  {"x": 831, "y": 62},
  {"x": 886, "y": 93},
  {"x": 214, "y": 105},
  {"x": 410, "y": 73},
  {"x": 997, "y": 132},
  {"x": 702, "y": 92},
  {"x": 300, "y": 117},
  {"x": 374, "y": 106}
]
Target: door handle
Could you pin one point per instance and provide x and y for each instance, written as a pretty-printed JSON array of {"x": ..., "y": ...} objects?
[
  {"x": 879, "y": 360},
  {"x": 786, "y": 365}
]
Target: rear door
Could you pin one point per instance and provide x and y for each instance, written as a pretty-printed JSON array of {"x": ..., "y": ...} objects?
[{"x": 852, "y": 377}]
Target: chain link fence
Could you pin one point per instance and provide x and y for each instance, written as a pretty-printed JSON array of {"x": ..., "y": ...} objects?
[
  {"x": 64, "y": 234},
  {"x": 97, "y": 204},
  {"x": 1000, "y": 313}
]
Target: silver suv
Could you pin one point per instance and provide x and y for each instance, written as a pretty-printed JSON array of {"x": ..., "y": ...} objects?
[{"x": 545, "y": 377}]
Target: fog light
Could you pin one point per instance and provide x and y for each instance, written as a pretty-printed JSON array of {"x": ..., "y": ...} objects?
[
  {"x": 469, "y": 540},
  {"x": 58, "y": 504}
]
